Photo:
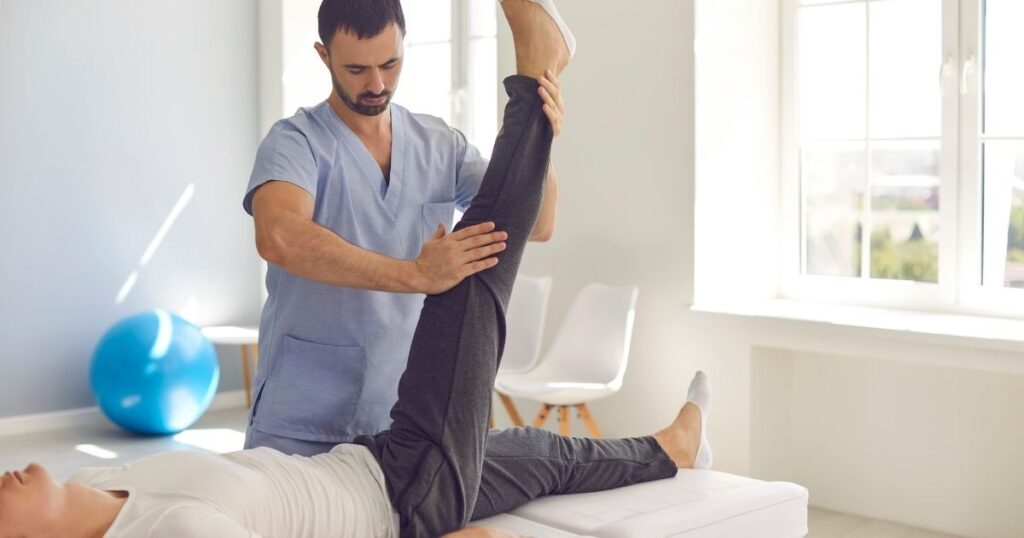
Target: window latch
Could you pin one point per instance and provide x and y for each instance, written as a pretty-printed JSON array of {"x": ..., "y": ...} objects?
[{"x": 966, "y": 71}]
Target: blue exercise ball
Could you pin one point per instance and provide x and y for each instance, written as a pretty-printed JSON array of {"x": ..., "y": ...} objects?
[{"x": 154, "y": 373}]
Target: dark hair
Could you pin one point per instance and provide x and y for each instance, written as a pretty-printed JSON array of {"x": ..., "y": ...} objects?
[{"x": 365, "y": 18}]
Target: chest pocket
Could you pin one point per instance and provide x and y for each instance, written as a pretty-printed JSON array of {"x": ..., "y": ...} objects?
[{"x": 434, "y": 213}]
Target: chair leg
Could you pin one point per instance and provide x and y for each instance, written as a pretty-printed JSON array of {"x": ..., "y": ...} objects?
[
  {"x": 542, "y": 416},
  {"x": 511, "y": 408},
  {"x": 589, "y": 421},
  {"x": 563, "y": 419}
]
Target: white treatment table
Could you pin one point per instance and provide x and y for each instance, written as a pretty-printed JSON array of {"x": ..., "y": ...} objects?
[{"x": 693, "y": 504}]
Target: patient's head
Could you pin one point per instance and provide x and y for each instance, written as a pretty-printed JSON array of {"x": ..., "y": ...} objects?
[{"x": 32, "y": 504}]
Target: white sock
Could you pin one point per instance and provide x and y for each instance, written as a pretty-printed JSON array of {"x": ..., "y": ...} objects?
[
  {"x": 549, "y": 7},
  {"x": 700, "y": 395}
]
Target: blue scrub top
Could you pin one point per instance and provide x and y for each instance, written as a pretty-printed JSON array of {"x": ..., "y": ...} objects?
[{"x": 331, "y": 357}]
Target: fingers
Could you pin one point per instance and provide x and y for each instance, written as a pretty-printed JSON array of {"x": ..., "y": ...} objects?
[
  {"x": 439, "y": 232},
  {"x": 470, "y": 231},
  {"x": 485, "y": 239},
  {"x": 551, "y": 94},
  {"x": 483, "y": 252},
  {"x": 476, "y": 267}
]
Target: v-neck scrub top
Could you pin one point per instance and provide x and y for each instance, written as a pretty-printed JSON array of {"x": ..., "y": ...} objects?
[{"x": 331, "y": 356}]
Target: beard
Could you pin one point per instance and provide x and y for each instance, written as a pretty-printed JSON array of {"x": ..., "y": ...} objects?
[{"x": 356, "y": 106}]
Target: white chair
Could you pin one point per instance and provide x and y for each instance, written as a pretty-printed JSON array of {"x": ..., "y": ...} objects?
[
  {"x": 587, "y": 360},
  {"x": 524, "y": 327}
]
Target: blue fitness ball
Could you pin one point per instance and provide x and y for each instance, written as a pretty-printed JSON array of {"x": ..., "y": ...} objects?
[{"x": 154, "y": 373}]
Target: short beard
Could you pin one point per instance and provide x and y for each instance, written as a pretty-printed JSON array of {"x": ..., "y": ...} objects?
[{"x": 355, "y": 106}]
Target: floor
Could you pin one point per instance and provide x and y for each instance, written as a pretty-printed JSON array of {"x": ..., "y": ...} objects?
[{"x": 63, "y": 451}]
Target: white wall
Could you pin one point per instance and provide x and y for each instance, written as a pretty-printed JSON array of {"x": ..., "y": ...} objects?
[
  {"x": 915, "y": 429},
  {"x": 113, "y": 112}
]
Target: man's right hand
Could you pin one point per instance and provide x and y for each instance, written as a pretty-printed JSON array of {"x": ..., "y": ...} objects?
[{"x": 446, "y": 259}]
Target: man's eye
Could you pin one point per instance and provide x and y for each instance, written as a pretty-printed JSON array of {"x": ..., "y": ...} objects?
[
  {"x": 355, "y": 70},
  {"x": 390, "y": 65}
]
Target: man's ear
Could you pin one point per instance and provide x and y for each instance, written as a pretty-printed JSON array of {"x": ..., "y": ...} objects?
[{"x": 325, "y": 56}]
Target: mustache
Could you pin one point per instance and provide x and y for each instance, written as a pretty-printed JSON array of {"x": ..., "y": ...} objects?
[{"x": 371, "y": 95}]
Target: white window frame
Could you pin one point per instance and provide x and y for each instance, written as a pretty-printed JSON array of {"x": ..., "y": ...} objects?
[{"x": 958, "y": 289}]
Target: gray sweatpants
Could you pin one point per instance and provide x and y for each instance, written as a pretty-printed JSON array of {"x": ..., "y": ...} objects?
[{"x": 442, "y": 465}]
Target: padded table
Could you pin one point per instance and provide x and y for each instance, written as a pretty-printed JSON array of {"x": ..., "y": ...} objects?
[{"x": 693, "y": 504}]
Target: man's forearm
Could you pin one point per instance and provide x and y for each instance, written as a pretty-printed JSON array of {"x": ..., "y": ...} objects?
[
  {"x": 316, "y": 253},
  {"x": 544, "y": 228}
]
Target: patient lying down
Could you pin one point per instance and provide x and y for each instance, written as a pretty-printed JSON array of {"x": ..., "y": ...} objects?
[
  {"x": 249, "y": 493},
  {"x": 438, "y": 467}
]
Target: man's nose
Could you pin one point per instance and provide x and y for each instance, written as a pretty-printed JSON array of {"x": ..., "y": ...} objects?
[{"x": 376, "y": 84}]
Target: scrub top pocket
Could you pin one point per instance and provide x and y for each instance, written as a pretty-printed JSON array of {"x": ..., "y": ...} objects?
[
  {"x": 313, "y": 383},
  {"x": 434, "y": 213}
]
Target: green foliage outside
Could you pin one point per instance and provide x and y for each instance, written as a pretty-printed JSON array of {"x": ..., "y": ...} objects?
[
  {"x": 1015, "y": 244},
  {"x": 913, "y": 259}
]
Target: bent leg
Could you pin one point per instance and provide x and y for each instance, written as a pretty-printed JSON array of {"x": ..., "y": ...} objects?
[
  {"x": 433, "y": 454},
  {"x": 522, "y": 464}
]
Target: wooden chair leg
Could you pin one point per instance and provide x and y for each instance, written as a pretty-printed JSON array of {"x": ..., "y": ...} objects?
[
  {"x": 588, "y": 420},
  {"x": 512, "y": 412},
  {"x": 563, "y": 419},
  {"x": 246, "y": 376},
  {"x": 542, "y": 416}
]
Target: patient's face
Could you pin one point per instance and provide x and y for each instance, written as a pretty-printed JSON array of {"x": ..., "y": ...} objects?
[{"x": 30, "y": 502}]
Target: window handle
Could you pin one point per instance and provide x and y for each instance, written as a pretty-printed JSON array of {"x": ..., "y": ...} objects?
[
  {"x": 458, "y": 97},
  {"x": 966, "y": 71},
  {"x": 945, "y": 70}
]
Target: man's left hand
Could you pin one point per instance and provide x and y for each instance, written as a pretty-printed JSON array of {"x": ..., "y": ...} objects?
[{"x": 551, "y": 93}]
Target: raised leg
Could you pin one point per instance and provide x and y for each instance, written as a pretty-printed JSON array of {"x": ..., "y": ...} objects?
[{"x": 433, "y": 454}]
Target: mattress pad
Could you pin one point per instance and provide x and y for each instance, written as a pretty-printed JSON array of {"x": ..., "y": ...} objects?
[{"x": 693, "y": 504}]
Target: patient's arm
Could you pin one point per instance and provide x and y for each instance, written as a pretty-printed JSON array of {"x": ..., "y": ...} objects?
[{"x": 482, "y": 532}]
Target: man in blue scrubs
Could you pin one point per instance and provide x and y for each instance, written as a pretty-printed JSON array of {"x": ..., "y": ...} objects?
[{"x": 353, "y": 201}]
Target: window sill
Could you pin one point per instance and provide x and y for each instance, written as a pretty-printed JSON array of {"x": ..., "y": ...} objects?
[{"x": 935, "y": 328}]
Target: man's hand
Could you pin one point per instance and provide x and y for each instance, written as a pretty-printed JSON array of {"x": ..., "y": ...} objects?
[
  {"x": 482, "y": 532},
  {"x": 551, "y": 93},
  {"x": 446, "y": 259}
]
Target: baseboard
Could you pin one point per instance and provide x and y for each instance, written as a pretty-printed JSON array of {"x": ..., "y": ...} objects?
[{"x": 91, "y": 416}]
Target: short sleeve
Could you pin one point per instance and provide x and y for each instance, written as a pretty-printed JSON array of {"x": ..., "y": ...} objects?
[
  {"x": 469, "y": 170},
  {"x": 284, "y": 155},
  {"x": 196, "y": 520}
]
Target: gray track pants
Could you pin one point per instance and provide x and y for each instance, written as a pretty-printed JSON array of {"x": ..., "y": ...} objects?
[{"x": 442, "y": 465}]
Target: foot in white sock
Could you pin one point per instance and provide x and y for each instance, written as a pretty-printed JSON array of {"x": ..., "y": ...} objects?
[
  {"x": 567, "y": 35},
  {"x": 700, "y": 396},
  {"x": 685, "y": 440},
  {"x": 542, "y": 39}
]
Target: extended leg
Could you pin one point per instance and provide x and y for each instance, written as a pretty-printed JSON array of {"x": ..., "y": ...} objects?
[
  {"x": 522, "y": 464},
  {"x": 433, "y": 454}
]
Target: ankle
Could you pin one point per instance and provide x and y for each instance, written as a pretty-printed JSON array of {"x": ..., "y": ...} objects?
[{"x": 676, "y": 445}]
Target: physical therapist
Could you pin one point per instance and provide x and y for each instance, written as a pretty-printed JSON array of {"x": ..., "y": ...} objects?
[{"x": 352, "y": 201}]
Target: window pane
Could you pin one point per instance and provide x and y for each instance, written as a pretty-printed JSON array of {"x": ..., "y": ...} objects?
[
  {"x": 427, "y": 21},
  {"x": 483, "y": 92},
  {"x": 905, "y": 211},
  {"x": 1004, "y": 76},
  {"x": 1003, "y": 175},
  {"x": 832, "y": 181},
  {"x": 906, "y": 51},
  {"x": 483, "y": 18},
  {"x": 831, "y": 59},
  {"x": 426, "y": 83}
]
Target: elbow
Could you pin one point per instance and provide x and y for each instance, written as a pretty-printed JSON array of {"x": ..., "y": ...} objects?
[{"x": 272, "y": 248}]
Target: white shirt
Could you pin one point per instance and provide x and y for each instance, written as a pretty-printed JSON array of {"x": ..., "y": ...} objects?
[{"x": 250, "y": 494}]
